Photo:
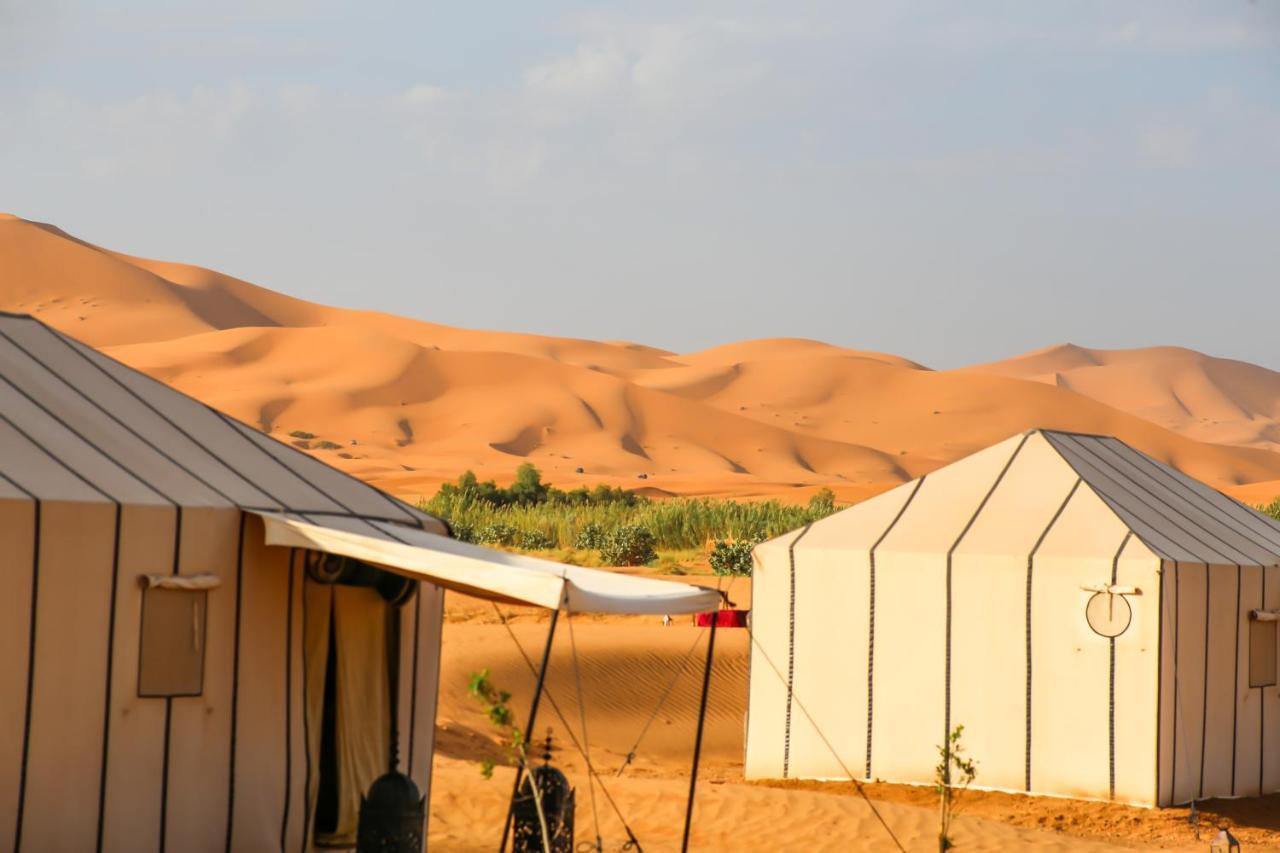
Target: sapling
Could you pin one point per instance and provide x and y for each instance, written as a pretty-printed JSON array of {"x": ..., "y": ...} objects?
[
  {"x": 499, "y": 714},
  {"x": 952, "y": 776}
]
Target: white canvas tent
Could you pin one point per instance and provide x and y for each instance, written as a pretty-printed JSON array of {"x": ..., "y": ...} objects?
[
  {"x": 165, "y": 637},
  {"x": 1102, "y": 625}
]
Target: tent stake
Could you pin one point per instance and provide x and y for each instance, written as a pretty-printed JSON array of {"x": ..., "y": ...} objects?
[
  {"x": 533, "y": 717},
  {"x": 697, "y": 740}
]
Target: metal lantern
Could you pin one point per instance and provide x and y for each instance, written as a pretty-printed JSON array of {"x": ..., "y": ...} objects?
[
  {"x": 557, "y": 808},
  {"x": 392, "y": 816},
  {"x": 1224, "y": 842}
]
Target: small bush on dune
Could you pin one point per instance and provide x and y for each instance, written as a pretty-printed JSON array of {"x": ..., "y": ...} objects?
[
  {"x": 497, "y": 534},
  {"x": 302, "y": 434},
  {"x": 590, "y": 538},
  {"x": 535, "y": 540}
]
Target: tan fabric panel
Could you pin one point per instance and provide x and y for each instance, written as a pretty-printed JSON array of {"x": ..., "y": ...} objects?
[
  {"x": 64, "y": 762},
  {"x": 1222, "y": 681},
  {"x": 911, "y": 618},
  {"x": 317, "y": 622},
  {"x": 1070, "y": 698},
  {"x": 428, "y": 603},
  {"x": 1137, "y": 676},
  {"x": 18, "y": 533},
  {"x": 767, "y": 688},
  {"x": 135, "y": 769},
  {"x": 200, "y": 726},
  {"x": 989, "y": 600},
  {"x": 830, "y": 683},
  {"x": 298, "y": 792},
  {"x": 1248, "y": 700},
  {"x": 1271, "y": 702},
  {"x": 265, "y": 666},
  {"x": 832, "y": 617},
  {"x": 1189, "y": 680},
  {"x": 1168, "y": 633}
]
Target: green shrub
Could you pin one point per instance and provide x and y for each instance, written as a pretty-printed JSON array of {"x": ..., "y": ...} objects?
[
  {"x": 732, "y": 558},
  {"x": 535, "y": 540},
  {"x": 328, "y": 445},
  {"x": 497, "y": 534},
  {"x": 590, "y": 537},
  {"x": 463, "y": 532},
  {"x": 302, "y": 434},
  {"x": 629, "y": 546}
]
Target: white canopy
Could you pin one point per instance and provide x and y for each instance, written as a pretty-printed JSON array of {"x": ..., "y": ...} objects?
[{"x": 487, "y": 573}]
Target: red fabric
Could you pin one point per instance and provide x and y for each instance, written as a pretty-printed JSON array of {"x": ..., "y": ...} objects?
[{"x": 724, "y": 619}]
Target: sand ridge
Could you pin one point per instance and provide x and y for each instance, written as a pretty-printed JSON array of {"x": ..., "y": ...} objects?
[{"x": 406, "y": 404}]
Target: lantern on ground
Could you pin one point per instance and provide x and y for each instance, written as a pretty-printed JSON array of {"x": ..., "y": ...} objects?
[
  {"x": 556, "y": 796},
  {"x": 1224, "y": 842}
]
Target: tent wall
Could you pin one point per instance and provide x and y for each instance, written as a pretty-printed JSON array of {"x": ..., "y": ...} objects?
[
  {"x": 1219, "y": 737},
  {"x": 107, "y": 769}
]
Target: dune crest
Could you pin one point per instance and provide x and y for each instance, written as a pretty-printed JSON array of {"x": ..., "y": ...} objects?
[{"x": 407, "y": 404}]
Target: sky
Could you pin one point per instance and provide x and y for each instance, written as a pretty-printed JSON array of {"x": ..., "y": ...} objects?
[{"x": 951, "y": 182}]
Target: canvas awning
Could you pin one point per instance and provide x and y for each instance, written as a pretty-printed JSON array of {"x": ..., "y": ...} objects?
[{"x": 487, "y": 573}]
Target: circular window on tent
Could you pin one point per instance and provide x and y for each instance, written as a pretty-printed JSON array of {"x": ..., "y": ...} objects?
[{"x": 1109, "y": 614}]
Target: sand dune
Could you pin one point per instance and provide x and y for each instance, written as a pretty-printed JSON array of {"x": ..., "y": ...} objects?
[{"x": 406, "y": 403}]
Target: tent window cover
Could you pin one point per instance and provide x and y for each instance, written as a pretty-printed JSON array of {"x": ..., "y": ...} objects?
[
  {"x": 1262, "y": 652},
  {"x": 171, "y": 660}
]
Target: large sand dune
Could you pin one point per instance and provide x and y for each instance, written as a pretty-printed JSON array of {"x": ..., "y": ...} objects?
[{"x": 406, "y": 403}]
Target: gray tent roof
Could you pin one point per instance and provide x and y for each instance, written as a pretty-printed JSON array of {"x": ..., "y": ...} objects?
[
  {"x": 1178, "y": 517},
  {"x": 76, "y": 425}
]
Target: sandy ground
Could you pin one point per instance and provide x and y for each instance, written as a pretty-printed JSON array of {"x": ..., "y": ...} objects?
[
  {"x": 630, "y": 666},
  {"x": 407, "y": 404}
]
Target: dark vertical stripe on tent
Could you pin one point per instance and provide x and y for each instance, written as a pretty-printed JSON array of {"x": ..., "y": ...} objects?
[
  {"x": 1204, "y": 705},
  {"x": 1044, "y": 534},
  {"x": 871, "y": 618},
  {"x": 1235, "y": 684},
  {"x": 235, "y": 686},
  {"x": 946, "y": 734},
  {"x": 1262, "y": 698},
  {"x": 306, "y": 723},
  {"x": 1177, "y": 618},
  {"x": 413, "y": 696},
  {"x": 31, "y": 678},
  {"x": 1111, "y": 684},
  {"x": 288, "y": 703},
  {"x": 791, "y": 652},
  {"x": 106, "y": 712},
  {"x": 168, "y": 700},
  {"x": 1159, "y": 683}
]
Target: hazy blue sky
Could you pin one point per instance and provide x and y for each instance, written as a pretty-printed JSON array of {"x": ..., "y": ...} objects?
[{"x": 954, "y": 182}]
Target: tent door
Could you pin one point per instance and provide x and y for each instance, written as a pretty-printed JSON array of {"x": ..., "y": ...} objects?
[{"x": 348, "y": 710}]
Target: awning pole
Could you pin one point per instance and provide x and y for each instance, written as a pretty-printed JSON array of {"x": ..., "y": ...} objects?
[
  {"x": 528, "y": 731},
  {"x": 697, "y": 740}
]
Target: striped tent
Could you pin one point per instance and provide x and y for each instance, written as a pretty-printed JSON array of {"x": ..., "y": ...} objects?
[
  {"x": 1102, "y": 625},
  {"x": 199, "y": 624}
]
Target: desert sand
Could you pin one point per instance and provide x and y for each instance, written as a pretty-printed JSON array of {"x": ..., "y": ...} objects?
[{"x": 406, "y": 404}]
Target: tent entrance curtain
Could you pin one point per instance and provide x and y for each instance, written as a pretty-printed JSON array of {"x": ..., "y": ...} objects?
[{"x": 349, "y": 735}]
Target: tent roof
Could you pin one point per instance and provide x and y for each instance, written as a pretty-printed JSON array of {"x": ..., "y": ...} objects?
[
  {"x": 76, "y": 425},
  {"x": 999, "y": 500}
]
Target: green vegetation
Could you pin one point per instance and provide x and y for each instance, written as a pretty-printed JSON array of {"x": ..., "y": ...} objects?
[
  {"x": 328, "y": 445},
  {"x": 302, "y": 434},
  {"x": 614, "y": 522},
  {"x": 732, "y": 558},
  {"x": 953, "y": 775},
  {"x": 1272, "y": 509}
]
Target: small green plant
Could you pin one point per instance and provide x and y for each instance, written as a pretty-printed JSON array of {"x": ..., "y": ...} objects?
[
  {"x": 497, "y": 534},
  {"x": 1272, "y": 509},
  {"x": 325, "y": 444},
  {"x": 732, "y": 558},
  {"x": 953, "y": 775},
  {"x": 629, "y": 546},
  {"x": 302, "y": 434},
  {"x": 535, "y": 540},
  {"x": 590, "y": 538},
  {"x": 499, "y": 713}
]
